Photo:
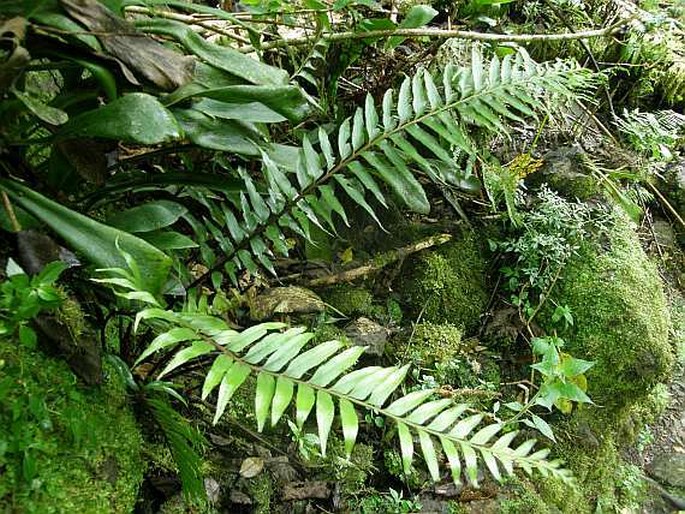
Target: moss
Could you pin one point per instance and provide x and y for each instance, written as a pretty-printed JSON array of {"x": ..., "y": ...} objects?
[
  {"x": 621, "y": 317},
  {"x": 67, "y": 448},
  {"x": 353, "y": 301},
  {"x": 261, "y": 489},
  {"x": 448, "y": 285}
]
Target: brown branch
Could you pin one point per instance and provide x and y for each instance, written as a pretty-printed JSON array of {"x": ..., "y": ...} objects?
[
  {"x": 439, "y": 33},
  {"x": 379, "y": 262},
  {"x": 16, "y": 226}
]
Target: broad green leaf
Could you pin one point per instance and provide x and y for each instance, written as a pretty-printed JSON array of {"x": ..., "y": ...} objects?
[
  {"x": 344, "y": 148},
  {"x": 324, "y": 417},
  {"x": 429, "y": 456},
  {"x": 216, "y": 374},
  {"x": 470, "y": 463},
  {"x": 419, "y": 100},
  {"x": 95, "y": 241},
  {"x": 254, "y": 112},
  {"x": 357, "y": 196},
  {"x": 303, "y": 403},
  {"x": 135, "y": 118},
  {"x": 462, "y": 429},
  {"x": 232, "y": 380},
  {"x": 445, "y": 419},
  {"x": 168, "y": 240},
  {"x": 232, "y": 136},
  {"x": 350, "y": 424},
  {"x": 358, "y": 138},
  {"x": 312, "y": 358},
  {"x": 403, "y": 405},
  {"x": 486, "y": 433},
  {"x": 371, "y": 118},
  {"x": 148, "y": 217},
  {"x": 282, "y": 397},
  {"x": 452, "y": 459},
  {"x": 571, "y": 367},
  {"x": 418, "y": 16},
  {"x": 389, "y": 122},
  {"x": 170, "y": 338},
  {"x": 46, "y": 113},
  {"x": 332, "y": 369},
  {"x": 406, "y": 446},
  {"x": 222, "y": 57},
  {"x": 195, "y": 350},
  {"x": 263, "y": 396},
  {"x": 401, "y": 181},
  {"x": 388, "y": 386},
  {"x": 426, "y": 411}
]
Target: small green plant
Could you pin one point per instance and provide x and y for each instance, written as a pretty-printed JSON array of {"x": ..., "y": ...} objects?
[
  {"x": 22, "y": 298},
  {"x": 551, "y": 234},
  {"x": 391, "y": 502}
]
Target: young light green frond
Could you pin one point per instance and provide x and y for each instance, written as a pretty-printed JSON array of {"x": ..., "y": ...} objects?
[{"x": 288, "y": 371}]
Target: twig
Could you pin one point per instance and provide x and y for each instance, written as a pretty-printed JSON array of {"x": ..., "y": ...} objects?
[
  {"x": 439, "y": 33},
  {"x": 378, "y": 263},
  {"x": 16, "y": 226},
  {"x": 667, "y": 204}
]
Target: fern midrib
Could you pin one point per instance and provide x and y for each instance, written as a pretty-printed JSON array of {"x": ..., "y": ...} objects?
[
  {"x": 397, "y": 419},
  {"x": 290, "y": 203}
]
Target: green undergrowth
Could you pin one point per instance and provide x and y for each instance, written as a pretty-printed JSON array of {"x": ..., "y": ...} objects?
[
  {"x": 621, "y": 316},
  {"x": 64, "y": 447},
  {"x": 447, "y": 285}
]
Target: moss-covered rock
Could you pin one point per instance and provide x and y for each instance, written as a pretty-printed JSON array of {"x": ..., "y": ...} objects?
[
  {"x": 448, "y": 285},
  {"x": 621, "y": 317},
  {"x": 353, "y": 301},
  {"x": 64, "y": 447}
]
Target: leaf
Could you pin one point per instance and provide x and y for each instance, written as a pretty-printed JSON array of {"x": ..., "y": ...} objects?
[
  {"x": 336, "y": 366},
  {"x": 95, "y": 241},
  {"x": 216, "y": 374},
  {"x": 281, "y": 400},
  {"x": 462, "y": 429},
  {"x": 28, "y": 337},
  {"x": 408, "y": 402},
  {"x": 303, "y": 403},
  {"x": 571, "y": 367},
  {"x": 264, "y": 395},
  {"x": 195, "y": 350},
  {"x": 46, "y": 113},
  {"x": 541, "y": 425},
  {"x": 135, "y": 118},
  {"x": 312, "y": 358},
  {"x": 418, "y": 16},
  {"x": 350, "y": 424},
  {"x": 452, "y": 459},
  {"x": 324, "y": 417},
  {"x": 148, "y": 217},
  {"x": 388, "y": 386},
  {"x": 429, "y": 456},
  {"x": 232, "y": 380},
  {"x": 406, "y": 447}
]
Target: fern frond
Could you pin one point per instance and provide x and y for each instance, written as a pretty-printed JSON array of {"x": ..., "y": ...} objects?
[
  {"x": 316, "y": 380},
  {"x": 412, "y": 134}
]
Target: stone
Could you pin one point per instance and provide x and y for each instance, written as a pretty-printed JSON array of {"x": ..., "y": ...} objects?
[
  {"x": 365, "y": 332},
  {"x": 669, "y": 469},
  {"x": 285, "y": 300}
]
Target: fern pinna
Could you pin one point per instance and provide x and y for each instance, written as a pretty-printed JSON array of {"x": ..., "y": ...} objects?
[
  {"x": 316, "y": 379},
  {"x": 413, "y": 135}
]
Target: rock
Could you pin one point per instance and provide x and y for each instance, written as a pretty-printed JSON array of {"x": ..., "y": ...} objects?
[
  {"x": 240, "y": 498},
  {"x": 285, "y": 300},
  {"x": 669, "y": 469},
  {"x": 303, "y": 490},
  {"x": 213, "y": 490},
  {"x": 365, "y": 332},
  {"x": 621, "y": 316},
  {"x": 251, "y": 467},
  {"x": 563, "y": 171}
]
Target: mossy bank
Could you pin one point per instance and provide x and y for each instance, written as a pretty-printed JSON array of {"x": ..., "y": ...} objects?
[{"x": 64, "y": 448}]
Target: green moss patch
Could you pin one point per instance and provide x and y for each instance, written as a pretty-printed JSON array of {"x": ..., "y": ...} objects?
[
  {"x": 448, "y": 285},
  {"x": 621, "y": 317},
  {"x": 64, "y": 447}
]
